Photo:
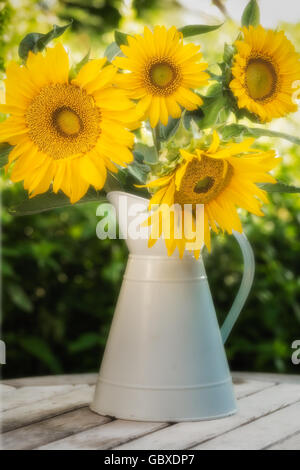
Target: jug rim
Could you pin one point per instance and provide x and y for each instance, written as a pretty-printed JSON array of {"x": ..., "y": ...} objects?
[{"x": 127, "y": 194}]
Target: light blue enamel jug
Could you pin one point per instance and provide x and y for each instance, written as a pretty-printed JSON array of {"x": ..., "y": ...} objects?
[{"x": 165, "y": 359}]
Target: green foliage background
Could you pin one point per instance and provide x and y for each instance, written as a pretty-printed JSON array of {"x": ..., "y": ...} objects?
[{"x": 60, "y": 283}]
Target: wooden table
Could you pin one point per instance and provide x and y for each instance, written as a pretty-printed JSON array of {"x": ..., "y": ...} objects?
[{"x": 52, "y": 413}]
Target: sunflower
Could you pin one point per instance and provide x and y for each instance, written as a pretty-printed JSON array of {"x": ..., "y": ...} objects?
[
  {"x": 162, "y": 72},
  {"x": 264, "y": 70},
  {"x": 219, "y": 178},
  {"x": 65, "y": 131}
]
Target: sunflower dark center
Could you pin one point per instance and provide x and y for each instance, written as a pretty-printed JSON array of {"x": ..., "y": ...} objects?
[
  {"x": 67, "y": 122},
  {"x": 203, "y": 180},
  {"x": 261, "y": 79},
  {"x": 162, "y": 74},
  {"x": 204, "y": 185}
]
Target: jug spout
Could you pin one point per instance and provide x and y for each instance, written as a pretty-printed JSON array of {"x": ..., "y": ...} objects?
[{"x": 131, "y": 211}]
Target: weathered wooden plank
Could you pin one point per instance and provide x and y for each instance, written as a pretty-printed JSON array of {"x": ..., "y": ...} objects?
[
  {"x": 244, "y": 388},
  {"x": 26, "y": 414},
  {"x": 68, "y": 379},
  {"x": 106, "y": 436},
  {"x": 51, "y": 429},
  {"x": 250, "y": 408},
  {"x": 91, "y": 379},
  {"x": 291, "y": 443},
  {"x": 5, "y": 388},
  {"x": 259, "y": 434},
  {"x": 268, "y": 377},
  {"x": 25, "y": 395}
]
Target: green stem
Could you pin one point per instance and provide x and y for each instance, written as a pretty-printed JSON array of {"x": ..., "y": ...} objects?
[
  {"x": 268, "y": 133},
  {"x": 156, "y": 139}
]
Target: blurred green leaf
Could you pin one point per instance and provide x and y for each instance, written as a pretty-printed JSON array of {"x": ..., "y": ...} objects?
[
  {"x": 278, "y": 188},
  {"x": 229, "y": 51},
  {"x": 166, "y": 132},
  {"x": 76, "y": 68},
  {"x": 112, "y": 51},
  {"x": 226, "y": 73},
  {"x": 40, "y": 349},
  {"x": 139, "y": 171},
  {"x": 195, "y": 29},
  {"x": 19, "y": 297},
  {"x": 212, "y": 109},
  {"x": 190, "y": 116},
  {"x": 113, "y": 182},
  {"x": 214, "y": 76},
  {"x": 50, "y": 200},
  {"x": 6, "y": 269},
  {"x": 251, "y": 14},
  {"x": 4, "y": 152},
  {"x": 36, "y": 42},
  {"x": 121, "y": 38},
  {"x": 234, "y": 130},
  {"x": 260, "y": 132},
  {"x": 85, "y": 342},
  {"x": 214, "y": 90},
  {"x": 145, "y": 154}
]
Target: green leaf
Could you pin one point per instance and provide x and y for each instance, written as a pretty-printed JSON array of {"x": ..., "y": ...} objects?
[
  {"x": 49, "y": 200},
  {"x": 113, "y": 182},
  {"x": 278, "y": 188},
  {"x": 56, "y": 32},
  {"x": 234, "y": 130},
  {"x": 127, "y": 179},
  {"x": 194, "y": 29},
  {"x": 145, "y": 154},
  {"x": 226, "y": 73},
  {"x": 229, "y": 51},
  {"x": 29, "y": 43},
  {"x": 251, "y": 14},
  {"x": 121, "y": 38},
  {"x": 36, "y": 42},
  {"x": 76, "y": 68},
  {"x": 4, "y": 152},
  {"x": 214, "y": 76},
  {"x": 19, "y": 297},
  {"x": 214, "y": 90},
  {"x": 190, "y": 116},
  {"x": 38, "y": 348},
  {"x": 112, "y": 51},
  {"x": 139, "y": 171},
  {"x": 212, "y": 110},
  {"x": 85, "y": 342},
  {"x": 166, "y": 132},
  {"x": 242, "y": 113},
  {"x": 257, "y": 132}
]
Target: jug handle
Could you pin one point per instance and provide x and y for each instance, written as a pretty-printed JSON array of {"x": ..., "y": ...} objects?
[{"x": 246, "y": 284}]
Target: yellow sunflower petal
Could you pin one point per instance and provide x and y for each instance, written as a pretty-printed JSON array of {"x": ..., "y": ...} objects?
[
  {"x": 264, "y": 69},
  {"x": 161, "y": 67},
  {"x": 215, "y": 143},
  {"x": 89, "y": 72},
  {"x": 65, "y": 132},
  {"x": 220, "y": 178}
]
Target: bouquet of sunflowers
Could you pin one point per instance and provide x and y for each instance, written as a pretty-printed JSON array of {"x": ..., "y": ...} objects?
[{"x": 76, "y": 132}]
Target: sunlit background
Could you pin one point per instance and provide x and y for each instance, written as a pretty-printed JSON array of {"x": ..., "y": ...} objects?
[{"x": 60, "y": 283}]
